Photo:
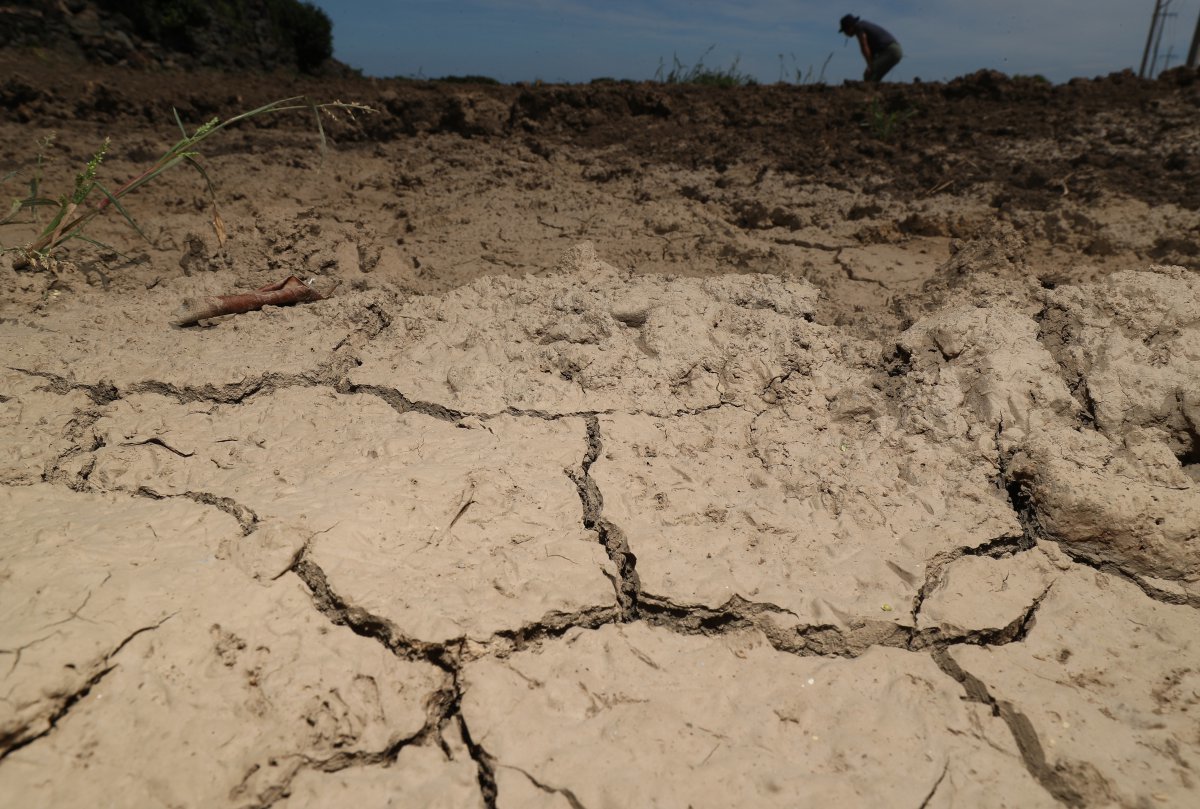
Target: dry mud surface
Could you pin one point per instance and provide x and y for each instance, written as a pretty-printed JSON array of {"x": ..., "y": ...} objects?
[{"x": 659, "y": 447}]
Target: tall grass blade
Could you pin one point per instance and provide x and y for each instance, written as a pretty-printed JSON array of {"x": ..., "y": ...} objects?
[
  {"x": 218, "y": 223},
  {"x": 102, "y": 245},
  {"x": 175, "y": 112},
  {"x": 13, "y": 210},
  {"x": 320, "y": 129},
  {"x": 116, "y": 202},
  {"x": 66, "y": 210}
]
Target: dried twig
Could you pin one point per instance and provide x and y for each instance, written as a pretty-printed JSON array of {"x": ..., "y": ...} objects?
[
  {"x": 288, "y": 291},
  {"x": 1062, "y": 183}
]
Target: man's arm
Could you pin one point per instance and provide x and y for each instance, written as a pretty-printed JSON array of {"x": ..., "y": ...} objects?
[{"x": 866, "y": 48}]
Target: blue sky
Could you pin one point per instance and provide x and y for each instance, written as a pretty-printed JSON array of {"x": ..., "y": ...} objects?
[{"x": 578, "y": 40}]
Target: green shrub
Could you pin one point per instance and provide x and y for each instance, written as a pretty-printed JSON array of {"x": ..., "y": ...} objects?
[
  {"x": 297, "y": 28},
  {"x": 307, "y": 29},
  {"x": 171, "y": 23}
]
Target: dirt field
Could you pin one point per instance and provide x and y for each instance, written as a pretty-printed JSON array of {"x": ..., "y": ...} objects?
[{"x": 657, "y": 446}]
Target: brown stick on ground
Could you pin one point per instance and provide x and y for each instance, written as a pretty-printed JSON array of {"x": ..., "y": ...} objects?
[{"x": 288, "y": 291}]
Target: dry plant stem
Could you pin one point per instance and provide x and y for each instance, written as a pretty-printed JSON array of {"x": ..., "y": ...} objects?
[{"x": 284, "y": 293}]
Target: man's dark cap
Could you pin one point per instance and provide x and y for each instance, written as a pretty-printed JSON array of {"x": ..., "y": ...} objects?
[{"x": 848, "y": 23}]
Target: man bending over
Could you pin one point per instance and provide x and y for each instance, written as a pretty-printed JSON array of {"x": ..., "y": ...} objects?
[{"x": 879, "y": 48}]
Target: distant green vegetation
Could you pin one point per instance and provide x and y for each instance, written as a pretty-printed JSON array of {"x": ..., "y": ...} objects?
[
  {"x": 302, "y": 33},
  {"x": 467, "y": 80},
  {"x": 701, "y": 74}
]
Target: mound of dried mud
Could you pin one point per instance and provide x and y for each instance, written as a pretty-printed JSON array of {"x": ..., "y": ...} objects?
[{"x": 594, "y": 520}]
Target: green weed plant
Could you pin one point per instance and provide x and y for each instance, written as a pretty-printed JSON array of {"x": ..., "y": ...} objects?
[
  {"x": 701, "y": 74},
  {"x": 794, "y": 74},
  {"x": 884, "y": 124},
  {"x": 90, "y": 198}
]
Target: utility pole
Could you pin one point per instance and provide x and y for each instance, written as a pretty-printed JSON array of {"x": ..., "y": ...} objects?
[
  {"x": 1154, "y": 23},
  {"x": 1162, "y": 24},
  {"x": 1158, "y": 23},
  {"x": 1193, "y": 59}
]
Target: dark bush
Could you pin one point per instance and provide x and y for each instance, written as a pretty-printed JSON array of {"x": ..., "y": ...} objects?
[
  {"x": 171, "y": 23},
  {"x": 238, "y": 32},
  {"x": 467, "y": 80},
  {"x": 307, "y": 29}
]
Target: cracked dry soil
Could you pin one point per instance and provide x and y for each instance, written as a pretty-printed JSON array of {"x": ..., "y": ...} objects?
[{"x": 625, "y": 468}]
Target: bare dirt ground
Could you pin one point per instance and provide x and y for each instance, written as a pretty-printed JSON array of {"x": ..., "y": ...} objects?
[{"x": 660, "y": 446}]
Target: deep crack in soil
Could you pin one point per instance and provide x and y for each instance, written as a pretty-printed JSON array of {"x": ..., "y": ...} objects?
[
  {"x": 12, "y": 743},
  {"x": 447, "y": 704},
  {"x": 627, "y": 584},
  {"x": 1060, "y": 781}
]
